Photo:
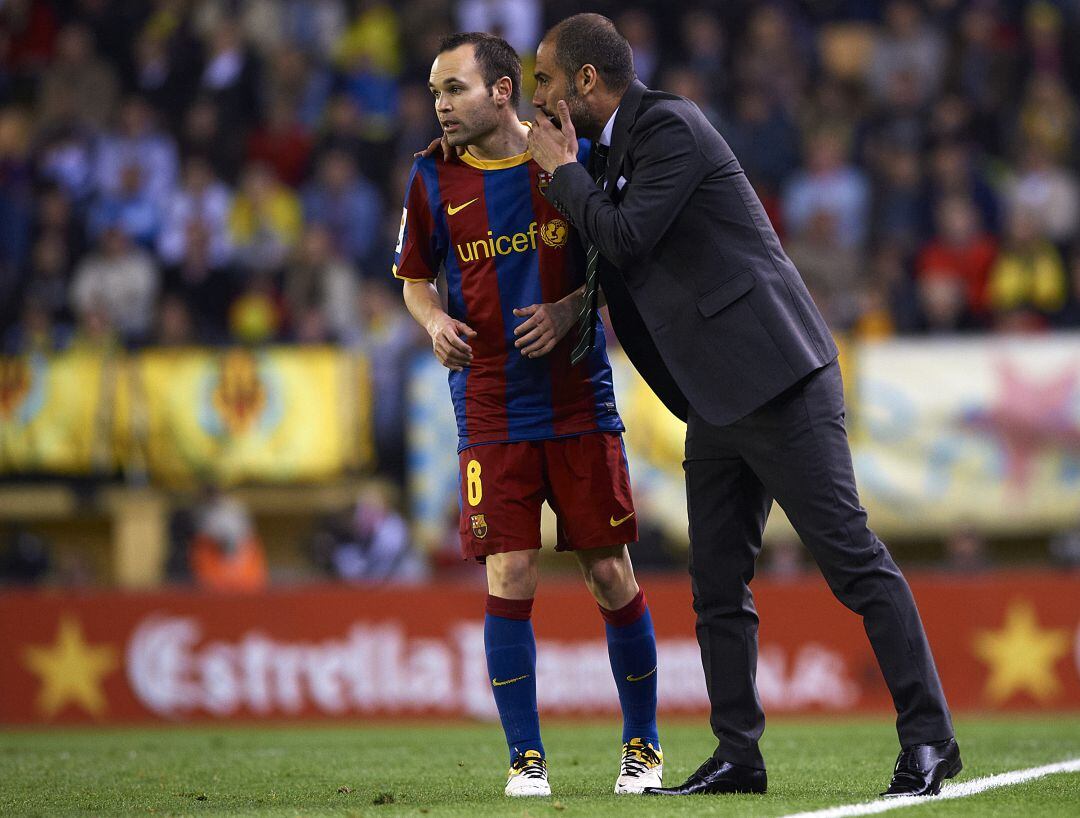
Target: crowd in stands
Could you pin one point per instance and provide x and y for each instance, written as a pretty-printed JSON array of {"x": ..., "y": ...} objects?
[
  {"x": 178, "y": 172},
  {"x": 214, "y": 171}
]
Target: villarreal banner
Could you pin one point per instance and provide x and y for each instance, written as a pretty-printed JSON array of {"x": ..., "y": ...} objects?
[
  {"x": 56, "y": 413},
  {"x": 1003, "y": 642},
  {"x": 278, "y": 414},
  {"x": 980, "y": 431}
]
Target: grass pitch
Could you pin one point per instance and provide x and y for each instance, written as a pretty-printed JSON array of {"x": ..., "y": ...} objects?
[{"x": 458, "y": 770}]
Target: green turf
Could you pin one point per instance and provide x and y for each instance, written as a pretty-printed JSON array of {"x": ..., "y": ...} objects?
[{"x": 446, "y": 770}]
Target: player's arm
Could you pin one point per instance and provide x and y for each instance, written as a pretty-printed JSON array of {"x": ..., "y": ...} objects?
[
  {"x": 447, "y": 334},
  {"x": 547, "y": 324}
]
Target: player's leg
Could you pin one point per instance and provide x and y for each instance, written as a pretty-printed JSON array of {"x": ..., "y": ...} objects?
[
  {"x": 589, "y": 483},
  {"x": 511, "y": 659},
  {"x": 501, "y": 494},
  {"x": 631, "y": 643}
]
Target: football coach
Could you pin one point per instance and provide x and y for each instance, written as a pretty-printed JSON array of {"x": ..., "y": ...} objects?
[{"x": 718, "y": 321}]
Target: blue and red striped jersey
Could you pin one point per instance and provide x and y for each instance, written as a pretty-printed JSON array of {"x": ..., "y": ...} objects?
[{"x": 502, "y": 245}]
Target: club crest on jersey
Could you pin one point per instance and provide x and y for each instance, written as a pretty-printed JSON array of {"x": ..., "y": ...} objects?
[
  {"x": 555, "y": 233},
  {"x": 479, "y": 526},
  {"x": 543, "y": 179}
]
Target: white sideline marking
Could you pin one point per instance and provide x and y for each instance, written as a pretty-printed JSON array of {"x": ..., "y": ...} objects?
[{"x": 947, "y": 791}]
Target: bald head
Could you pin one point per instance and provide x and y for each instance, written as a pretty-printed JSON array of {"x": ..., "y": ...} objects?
[{"x": 592, "y": 39}]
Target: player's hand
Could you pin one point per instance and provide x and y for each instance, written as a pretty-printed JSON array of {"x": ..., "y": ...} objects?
[
  {"x": 448, "y": 341},
  {"x": 551, "y": 146},
  {"x": 544, "y": 327},
  {"x": 448, "y": 152}
]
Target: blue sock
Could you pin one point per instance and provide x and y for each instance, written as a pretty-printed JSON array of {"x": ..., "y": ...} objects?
[
  {"x": 511, "y": 661},
  {"x": 632, "y": 651}
]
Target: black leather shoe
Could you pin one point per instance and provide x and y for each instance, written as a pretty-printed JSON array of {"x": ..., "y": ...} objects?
[
  {"x": 921, "y": 769},
  {"x": 715, "y": 777}
]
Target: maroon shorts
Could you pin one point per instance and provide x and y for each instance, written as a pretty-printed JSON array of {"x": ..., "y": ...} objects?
[{"x": 584, "y": 479}]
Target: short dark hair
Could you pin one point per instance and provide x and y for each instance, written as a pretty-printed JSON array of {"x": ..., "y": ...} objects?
[
  {"x": 593, "y": 39},
  {"x": 495, "y": 56}
]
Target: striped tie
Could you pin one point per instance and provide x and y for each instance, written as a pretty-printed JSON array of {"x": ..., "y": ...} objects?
[{"x": 586, "y": 320}]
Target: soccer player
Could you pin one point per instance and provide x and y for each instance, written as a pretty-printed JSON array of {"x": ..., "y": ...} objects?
[{"x": 531, "y": 425}]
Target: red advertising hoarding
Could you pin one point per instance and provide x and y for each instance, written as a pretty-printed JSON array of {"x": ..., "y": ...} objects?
[{"x": 1003, "y": 641}]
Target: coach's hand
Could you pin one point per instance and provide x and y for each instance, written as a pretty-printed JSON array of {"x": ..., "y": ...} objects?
[
  {"x": 550, "y": 146},
  {"x": 544, "y": 327},
  {"x": 448, "y": 152},
  {"x": 447, "y": 341}
]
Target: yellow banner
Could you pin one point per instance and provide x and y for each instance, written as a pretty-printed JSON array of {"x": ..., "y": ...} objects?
[
  {"x": 55, "y": 413},
  {"x": 280, "y": 415}
]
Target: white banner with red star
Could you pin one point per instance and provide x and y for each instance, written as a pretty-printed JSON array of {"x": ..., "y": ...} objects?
[
  {"x": 1003, "y": 641},
  {"x": 983, "y": 432}
]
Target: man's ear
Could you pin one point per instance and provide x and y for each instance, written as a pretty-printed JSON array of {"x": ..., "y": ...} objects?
[
  {"x": 587, "y": 78},
  {"x": 502, "y": 89}
]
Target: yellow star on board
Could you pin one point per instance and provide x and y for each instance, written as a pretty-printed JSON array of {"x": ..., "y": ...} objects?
[
  {"x": 1022, "y": 655},
  {"x": 71, "y": 671}
]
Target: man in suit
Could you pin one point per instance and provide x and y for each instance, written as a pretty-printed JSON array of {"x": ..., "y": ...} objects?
[{"x": 719, "y": 323}]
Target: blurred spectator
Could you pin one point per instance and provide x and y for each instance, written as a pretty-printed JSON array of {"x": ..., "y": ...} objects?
[
  {"x": 519, "y": 22},
  {"x": 196, "y": 247},
  {"x": 638, "y": 29},
  {"x": 830, "y": 269},
  {"x": 203, "y": 200},
  {"x": 829, "y": 183},
  {"x": 346, "y": 204},
  {"x": 50, "y": 273},
  {"x": 265, "y": 221},
  {"x": 954, "y": 171},
  {"x": 373, "y": 544},
  {"x": 203, "y": 135},
  {"x": 1048, "y": 118},
  {"x": 369, "y": 57},
  {"x": 703, "y": 47},
  {"x": 303, "y": 84},
  {"x": 66, "y": 159},
  {"x": 391, "y": 337},
  {"x": 231, "y": 76},
  {"x": 965, "y": 551},
  {"x": 119, "y": 280},
  {"x": 25, "y": 559},
  {"x": 984, "y": 67},
  {"x": 1065, "y": 549},
  {"x": 1029, "y": 274},
  {"x": 225, "y": 552},
  {"x": 1047, "y": 192},
  {"x": 320, "y": 282},
  {"x": 898, "y": 197},
  {"x": 162, "y": 75},
  {"x": 174, "y": 326},
  {"x": 784, "y": 559},
  {"x": 772, "y": 56},
  {"x": 35, "y": 332},
  {"x": 78, "y": 88},
  {"x": 281, "y": 142},
  {"x": 257, "y": 315},
  {"x": 130, "y": 207},
  {"x": 1069, "y": 316},
  {"x": 908, "y": 45},
  {"x": 960, "y": 250},
  {"x": 764, "y": 138},
  {"x": 16, "y": 203},
  {"x": 137, "y": 140}
]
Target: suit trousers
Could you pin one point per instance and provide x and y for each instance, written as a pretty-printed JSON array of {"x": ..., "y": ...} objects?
[{"x": 794, "y": 449}]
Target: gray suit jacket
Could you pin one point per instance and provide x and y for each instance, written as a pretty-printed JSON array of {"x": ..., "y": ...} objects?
[{"x": 702, "y": 296}]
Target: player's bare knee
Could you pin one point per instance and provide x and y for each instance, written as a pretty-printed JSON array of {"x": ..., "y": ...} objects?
[
  {"x": 610, "y": 578},
  {"x": 512, "y": 575}
]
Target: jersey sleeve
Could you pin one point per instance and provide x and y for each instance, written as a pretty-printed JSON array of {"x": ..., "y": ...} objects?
[{"x": 418, "y": 254}]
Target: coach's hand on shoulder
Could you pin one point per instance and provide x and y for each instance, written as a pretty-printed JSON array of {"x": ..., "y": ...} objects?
[
  {"x": 448, "y": 152},
  {"x": 447, "y": 336},
  {"x": 544, "y": 327}
]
